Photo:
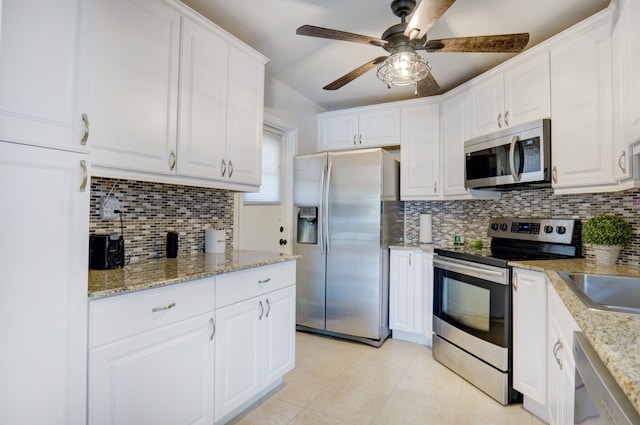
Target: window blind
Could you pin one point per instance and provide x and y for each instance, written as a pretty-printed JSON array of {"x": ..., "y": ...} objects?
[{"x": 271, "y": 187}]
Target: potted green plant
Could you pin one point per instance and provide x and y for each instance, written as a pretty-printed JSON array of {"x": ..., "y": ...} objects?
[{"x": 607, "y": 234}]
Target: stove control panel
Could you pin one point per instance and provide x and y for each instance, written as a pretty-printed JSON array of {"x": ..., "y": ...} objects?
[{"x": 533, "y": 229}]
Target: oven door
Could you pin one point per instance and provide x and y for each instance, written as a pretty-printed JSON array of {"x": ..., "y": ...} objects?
[{"x": 472, "y": 308}]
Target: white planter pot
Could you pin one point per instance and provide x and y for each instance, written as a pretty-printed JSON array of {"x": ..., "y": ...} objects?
[{"x": 606, "y": 254}]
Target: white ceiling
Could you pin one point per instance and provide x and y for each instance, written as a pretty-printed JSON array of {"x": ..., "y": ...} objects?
[{"x": 307, "y": 64}]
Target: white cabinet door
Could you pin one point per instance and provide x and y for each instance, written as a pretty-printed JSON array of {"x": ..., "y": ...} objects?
[
  {"x": 43, "y": 297},
  {"x": 401, "y": 290},
  {"x": 626, "y": 95},
  {"x": 238, "y": 354},
  {"x": 279, "y": 338},
  {"x": 519, "y": 93},
  {"x": 45, "y": 72},
  {"x": 527, "y": 91},
  {"x": 420, "y": 156},
  {"x": 203, "y": 102},
  {"x": 581, "y": 103},
  {"x": 561, "y": 370},
  {"x": 135, "y": 85},
  {"x": 244, "y": 118},
  {"x": 486, "y": 100},
  {"x": 379, "y": 127},
  {"x": 354, "y": 129},
  {"x": 338, "y": 131},
  {"x": 530, "y": 334},
  {"x": 164, "y": 376},
  {"x": 454, "y": 130}
]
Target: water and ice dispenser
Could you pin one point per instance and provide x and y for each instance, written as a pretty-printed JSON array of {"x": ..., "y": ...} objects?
[{"x": 308, "y": 225}]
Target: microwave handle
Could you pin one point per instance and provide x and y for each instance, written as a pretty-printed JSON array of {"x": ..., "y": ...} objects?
[{"x": 512, "y": 158}]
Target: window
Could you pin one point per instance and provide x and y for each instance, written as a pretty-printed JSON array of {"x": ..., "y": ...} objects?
[{"x": 271, "y": 187}]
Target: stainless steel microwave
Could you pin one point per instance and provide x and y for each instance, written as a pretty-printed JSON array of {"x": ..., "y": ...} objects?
[{"x": 516, "y": 156}]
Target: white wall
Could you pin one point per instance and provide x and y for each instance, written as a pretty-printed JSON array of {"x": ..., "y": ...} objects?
[{"x": 285, "y": 103}]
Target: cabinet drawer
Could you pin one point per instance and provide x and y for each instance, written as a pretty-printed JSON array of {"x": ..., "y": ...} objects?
[
  {"x": 121, "y": 316},
  {"x": 238, "y": 286}
]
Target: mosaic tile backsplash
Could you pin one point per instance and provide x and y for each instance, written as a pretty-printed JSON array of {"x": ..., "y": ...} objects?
[
  {"x": 150, "y": 210},
  {"x": 470, "y": 218}
]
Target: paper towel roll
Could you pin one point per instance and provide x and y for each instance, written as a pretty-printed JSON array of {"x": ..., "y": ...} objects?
[
  {"x": 214, "y": 241},
  {"x": 425, "y": 228}
]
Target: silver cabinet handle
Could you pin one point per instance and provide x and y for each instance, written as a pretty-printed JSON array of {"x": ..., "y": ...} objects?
[
  {"x": 212, "y": 323},
  {"x": 354, "y": 140},
  {"x": 556, "y": 348},
  {"x": 435, "y": 187},
  {"x": 163, "y": 308},
  {"x": 172, "y": 160},
  {"x": 85, "y": 175},
  {"x": 85, "y": 135},
  {"x": 499, "y": 120},
  {"x": 360, "y": 140},
  {"x": 268, "y": 308},
  {"x": 623, "y": 164},
  {"x": 230, "y": 168},
  {"x": 515, "y": 282},
  {"x": 223, "y": 168},
  {"x": 263, "y": 281},
  {"x": 506, "y": 119},
  {"x": 410, "y": 256},
  {"x": 554, "y": 174},
  {"x": 261, "y": 310}
]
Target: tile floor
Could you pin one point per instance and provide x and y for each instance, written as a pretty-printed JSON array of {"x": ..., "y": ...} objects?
[{"x": 344, "y": 383}]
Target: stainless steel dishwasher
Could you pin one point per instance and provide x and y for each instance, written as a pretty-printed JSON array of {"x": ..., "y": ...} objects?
[{"x": 598, "y": 397}]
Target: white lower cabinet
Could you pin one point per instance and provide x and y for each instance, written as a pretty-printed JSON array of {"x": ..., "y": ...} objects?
[
  {"x": 43, "y": 296},
  {"x": 151, "y": 356},
  {"x": 530, "y": 337},
  {"x": 411, "y": 295},
  {"x": 255, "y": 335},
  {"x": 561, "y": 371}
]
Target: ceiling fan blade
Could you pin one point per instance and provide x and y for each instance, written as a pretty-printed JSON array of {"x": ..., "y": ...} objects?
[
  {"x": 347, "y": 78},
  {"x": 428, "y": 85},
  {"x": 508, "y": 43},
  {"x": 425, "y": 15},
  {"x": 312, "y": 31}
]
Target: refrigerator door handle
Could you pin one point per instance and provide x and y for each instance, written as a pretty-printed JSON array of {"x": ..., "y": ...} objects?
[
  {"x": 322, "y": 207},
  {"x": 326, "y": 208}
]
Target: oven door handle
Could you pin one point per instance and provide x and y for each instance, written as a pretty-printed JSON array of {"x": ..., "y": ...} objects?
[{"x": 459, "y": 267}]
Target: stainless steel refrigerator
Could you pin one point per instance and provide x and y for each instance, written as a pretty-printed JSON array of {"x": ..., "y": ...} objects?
[{"x": 347, "y": 212}]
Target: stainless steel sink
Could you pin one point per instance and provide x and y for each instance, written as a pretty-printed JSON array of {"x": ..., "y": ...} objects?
[{"x": 606, "y": 292}]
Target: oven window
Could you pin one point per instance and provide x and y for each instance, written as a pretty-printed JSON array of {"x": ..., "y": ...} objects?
[
  {"x": 476, "y": 306},
  {"x": 468, "y": 304}
]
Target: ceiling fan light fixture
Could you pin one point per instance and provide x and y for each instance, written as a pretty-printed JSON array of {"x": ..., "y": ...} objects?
[{"x": 403, "y": 68}]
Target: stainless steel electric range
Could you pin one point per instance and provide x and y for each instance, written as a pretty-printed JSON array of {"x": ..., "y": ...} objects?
[{"x": 472, "y": 307}]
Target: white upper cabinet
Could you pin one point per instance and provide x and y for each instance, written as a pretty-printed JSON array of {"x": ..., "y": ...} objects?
[
  {"x": 176, "y": 99},
  {"x": 581, "y": 101},
  {"x": 516, "y": 94},
  {"x": 135, "y": 85},
  {"x": 419, "y": 152},
  {"x": 359, "y": 128},
  {"x": 45, "y": 71},
  {"x": 454, "y": 130},
  {"x": 626, "y": 94}
]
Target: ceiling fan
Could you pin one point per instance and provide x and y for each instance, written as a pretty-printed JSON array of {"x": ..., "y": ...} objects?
[{"x": 404, "y": 65}]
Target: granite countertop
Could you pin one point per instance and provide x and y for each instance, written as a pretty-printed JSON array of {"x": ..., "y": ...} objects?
[
  {"x": 153, "y": 273},
  {"x": 614, "y": 336}
]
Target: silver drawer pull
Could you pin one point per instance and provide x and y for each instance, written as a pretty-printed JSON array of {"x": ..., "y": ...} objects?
[
  {"x": 268, "y": 308},
  {"x": 166, "y": 307},
  {"x": 262, "y": 282}
]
